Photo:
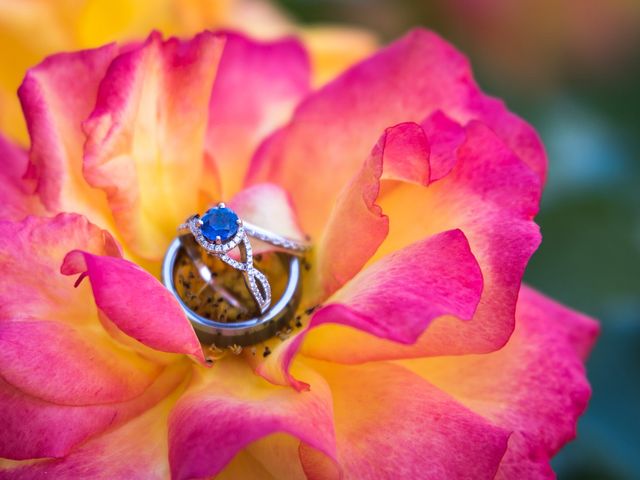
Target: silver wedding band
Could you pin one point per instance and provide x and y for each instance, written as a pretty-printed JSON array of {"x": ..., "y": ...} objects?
[{"x": 241, "y": 333}]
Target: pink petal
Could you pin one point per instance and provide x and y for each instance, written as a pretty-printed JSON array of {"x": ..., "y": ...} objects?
[
  {"x": 392, "y": 424},
  {"x": 136, "y": 302},
  {"x": 445, "y": 137},
  {"x": 30, "y": 282},
  {"x": 401, "y": 154},
  {"x": 62, "y": 364},
  {"x": 56, "y": 96},
  {"x": 16, "y": 194},
  {"x": 145, "y": 137},
  {"x": 32, "y": 428},
  {"x": 136, "y": 449},
  {"x": 491, "y": 196},
  {"x": 331, "y": 132},
  {"x": 229, "y": 407},
  {"x": 256, "y": 89},
  {"x": 534, "y": 387},
  {"x": 395, "y": 299},
  {"x": 51, "y": 344}
]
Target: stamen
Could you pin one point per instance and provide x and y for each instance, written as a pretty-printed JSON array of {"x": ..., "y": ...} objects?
[
  {"x": 235, "y": 349},
  {"x": 216, "y": 353}
]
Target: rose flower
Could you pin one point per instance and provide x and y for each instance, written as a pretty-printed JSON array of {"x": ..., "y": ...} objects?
[{"x": 416, "y": 351}]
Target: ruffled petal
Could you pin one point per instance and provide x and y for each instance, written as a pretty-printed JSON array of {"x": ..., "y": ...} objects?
[
  {"x": 228, "y": 407},
  {"x": 52, "y": 346},
  {"x": 445, "y": 137},
  {"x": 136, "y": 302},
  {"x": 534, "y": 387},
  {"x": 491, "y": 196},
  {"x": 357, "y": 226},
  {"x": 331, "y": 132},
  {"x": 17, "y": 198},
  {"x": 56, "y": 96},
  {"x": 395, "y": 299},
  {"x": 392, "y": 424},
  {"x": 32, "y": 428},
  {"x": 145, "y": 137},
  {"x": 256, "y": 89}
]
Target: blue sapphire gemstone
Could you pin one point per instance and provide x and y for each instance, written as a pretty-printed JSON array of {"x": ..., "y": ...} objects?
[{"x": 219, "y": 222}]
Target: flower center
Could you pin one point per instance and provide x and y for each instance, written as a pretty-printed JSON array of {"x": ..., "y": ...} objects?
[{"x": 219, "y": 222}]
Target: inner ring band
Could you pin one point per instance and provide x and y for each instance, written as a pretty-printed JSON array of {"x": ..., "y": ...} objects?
[{"x": 247, "y": 332}]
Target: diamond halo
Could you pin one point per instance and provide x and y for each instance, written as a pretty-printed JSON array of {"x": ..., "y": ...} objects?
[{"x": 256, "y": 281}]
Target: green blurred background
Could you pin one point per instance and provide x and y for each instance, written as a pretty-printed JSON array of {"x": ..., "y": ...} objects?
[{"x": 571, "y": 68}]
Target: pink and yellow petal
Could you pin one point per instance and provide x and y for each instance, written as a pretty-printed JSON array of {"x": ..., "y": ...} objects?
[
  {"x": 145, "y": 137},
  {"x": 58, "y": 363},
  {"x": 357, "y": 225},
  {"x": 50, "y": 334},
  {"x": 411, "y": 429},
  {"x": 228, "y": 407},
  {"x": 332, "y": 131},
  {"x": 135, "y": 302},
  {"x": 31, "y": 252},
  {"x": 17, "y": 198},
  {"x": 491, "y": 196},
  {"x": 135, "y": 449},
  {"x": 56, "y": 96},
  {"x": 256, "y": 89},
  {"x": 534, "y": 387},
  {"x": 33, "y": 428},
  {"x": 398, "y": 297},
  {"x": 395, "y": 299}
]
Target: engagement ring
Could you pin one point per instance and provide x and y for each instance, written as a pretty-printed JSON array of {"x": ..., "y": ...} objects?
[{"x": 220, "y": 230}]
